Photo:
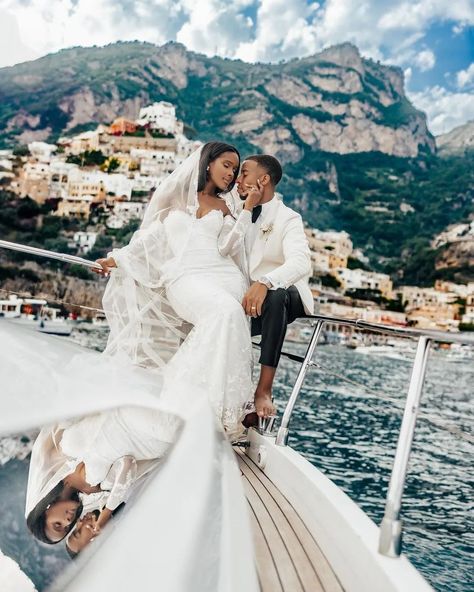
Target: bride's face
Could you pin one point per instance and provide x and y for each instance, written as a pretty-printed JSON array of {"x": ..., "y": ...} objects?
[
  {"x": 59, "y": 518},
  {"x": 223, "y": 169}
]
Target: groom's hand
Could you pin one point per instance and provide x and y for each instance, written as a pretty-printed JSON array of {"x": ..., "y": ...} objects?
[{"x": 254, "y": 299}]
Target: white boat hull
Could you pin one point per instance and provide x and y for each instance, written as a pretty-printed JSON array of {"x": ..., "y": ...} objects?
[{"x": 346, "y": 535}]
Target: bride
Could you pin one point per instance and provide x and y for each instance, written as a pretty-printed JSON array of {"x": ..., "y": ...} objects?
[{"x": 183, "y": 268}]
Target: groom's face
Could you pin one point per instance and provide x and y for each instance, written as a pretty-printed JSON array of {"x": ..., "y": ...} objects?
[{"x": 249, "y": 174}]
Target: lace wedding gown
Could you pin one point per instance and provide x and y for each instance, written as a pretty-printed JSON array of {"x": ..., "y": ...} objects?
[{"x": 205, "y": 288}]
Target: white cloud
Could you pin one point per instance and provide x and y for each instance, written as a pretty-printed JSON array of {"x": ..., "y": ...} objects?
[
  {"x": 12, "y": 48},
  {"x": 445, "y": 110},
  {"x": 425, "y": 60},
  {"x": 285, "y": 29},
  {"x": 50, "y": 25},
  {"x": 418, "y": 14},
  {"x": 465, "y": 78},
  {"x": 214, "y": 27}
]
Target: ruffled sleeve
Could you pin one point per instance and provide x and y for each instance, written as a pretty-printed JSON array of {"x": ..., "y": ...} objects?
[
  {"x": 119, "y": 480},
  {"x": 232, "y": 236}
]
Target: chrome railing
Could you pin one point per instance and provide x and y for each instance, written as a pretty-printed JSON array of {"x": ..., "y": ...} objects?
[
  {"x": 48, "y": 254},
  {"x": 390, "y": 537}
]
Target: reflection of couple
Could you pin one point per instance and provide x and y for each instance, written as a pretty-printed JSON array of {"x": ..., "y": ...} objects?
[{"x": 178, "y": 302}]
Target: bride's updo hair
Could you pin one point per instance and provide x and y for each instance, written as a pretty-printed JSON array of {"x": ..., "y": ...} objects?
[
  {"x": 209, "y": 153},
  {"x": 36, "y": 520}
]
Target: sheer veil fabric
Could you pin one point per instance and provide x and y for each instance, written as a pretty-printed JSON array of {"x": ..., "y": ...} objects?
[{"x": 143, "y": 325}]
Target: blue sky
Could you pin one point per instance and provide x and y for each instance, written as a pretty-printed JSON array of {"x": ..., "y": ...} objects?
[{"x": 431, "y": 40}]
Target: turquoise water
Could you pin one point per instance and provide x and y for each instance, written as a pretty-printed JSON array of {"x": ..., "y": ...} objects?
[
  {"x": 350, "y": 433},
  {"x": 352, "y": 439}
]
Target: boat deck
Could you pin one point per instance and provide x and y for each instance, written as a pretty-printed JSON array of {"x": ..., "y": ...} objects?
[{"x": 287, "y": 556}]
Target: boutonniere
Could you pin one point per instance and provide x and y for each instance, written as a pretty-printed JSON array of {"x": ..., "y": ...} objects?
[{"x": 266, "y": 229}]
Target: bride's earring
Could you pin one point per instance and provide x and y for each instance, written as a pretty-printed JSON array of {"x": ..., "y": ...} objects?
[{"x": 48, "y": 506}]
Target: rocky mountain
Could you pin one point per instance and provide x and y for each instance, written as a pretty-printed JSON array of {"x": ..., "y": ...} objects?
[
  {"x": 335, "y": 101},
  {"x": 458, "y": 141},
  {"x": 357, "y": 155}
]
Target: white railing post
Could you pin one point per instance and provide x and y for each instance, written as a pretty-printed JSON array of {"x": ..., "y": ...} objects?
[
  {"x": 390, "y": 541},
  {"x": 282, "y": 434}
]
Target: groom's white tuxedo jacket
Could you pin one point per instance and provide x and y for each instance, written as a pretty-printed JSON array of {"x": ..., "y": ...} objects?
[{"x": 277, "y": 248}]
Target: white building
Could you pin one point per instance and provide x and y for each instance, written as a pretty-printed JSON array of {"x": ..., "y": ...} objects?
[
  {"x": 321, "y": 261},
  {"x": 468, "y": 316},
  {"x": 160, "y": 116},
  {"x": 154, "y": 162},
  {"x": 371, "y": 314},
  {"x": 185, "y": 147},
  {"x": 34, "y": 181},
  {"x": 59, "y": 177},
  {"x": 42, "y": 151},
  {"x": 144, "y": 183},
  {"x": 461, "y": 290},
  {"x": 365, "y": 280},
  {"x": 6, "y": 163},
  {"x": 84, "y": 241},
  {"x": 84, "y": 141},
  {"x": 416, "y": 298},
  {"x": 117, "y": 184},
  {"x": 339, "y": 242},
  {"x": 124, "y": 212}
]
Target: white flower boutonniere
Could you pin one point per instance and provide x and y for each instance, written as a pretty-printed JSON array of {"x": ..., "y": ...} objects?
[{"x": 266, "y": 229}]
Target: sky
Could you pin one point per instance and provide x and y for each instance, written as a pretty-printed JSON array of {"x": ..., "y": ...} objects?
[{"x": 431, "y": 40}]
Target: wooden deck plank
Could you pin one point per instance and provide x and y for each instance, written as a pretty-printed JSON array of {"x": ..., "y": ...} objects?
[
  {"x": 266, "y": 568},
  {"x": 286, "y": 570},
  {"x": 296, "y": 553},
  {"x": 314, "y": 570}
]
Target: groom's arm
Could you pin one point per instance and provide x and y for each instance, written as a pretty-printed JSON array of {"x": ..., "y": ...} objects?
[{"x": 296, "y": 253}]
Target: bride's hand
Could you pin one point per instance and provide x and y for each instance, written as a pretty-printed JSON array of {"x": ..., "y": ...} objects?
[{"x": 106, "y": 264}]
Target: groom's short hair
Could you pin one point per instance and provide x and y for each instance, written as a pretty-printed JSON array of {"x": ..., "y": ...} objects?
[{"x": 270, "y": 165}]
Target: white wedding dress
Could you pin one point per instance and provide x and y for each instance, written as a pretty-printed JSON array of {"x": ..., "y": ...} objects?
[{"x": 205, "y": 288}]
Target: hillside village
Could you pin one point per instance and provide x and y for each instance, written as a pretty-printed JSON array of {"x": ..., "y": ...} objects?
[{"x": 103, "y": 179}]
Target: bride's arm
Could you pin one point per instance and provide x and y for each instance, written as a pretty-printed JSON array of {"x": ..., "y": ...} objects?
[
  {"x": 119, "y": 480},
  {"x": 141, "y": 258},
  {"x": 232, "y": 235}
]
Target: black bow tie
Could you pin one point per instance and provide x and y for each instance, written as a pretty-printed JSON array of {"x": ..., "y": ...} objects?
[{"x": 256, "y": 213}]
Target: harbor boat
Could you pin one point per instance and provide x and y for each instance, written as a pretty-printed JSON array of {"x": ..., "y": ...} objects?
[
  {"x": 26, "y": 308},
  {"x": 54, "y": 327},
  {"x": 36, "y": 314},
  {"x": 460, "y": 353},
  {"x": 391, "y": 349},
  {"x": 308, "y": 534}
]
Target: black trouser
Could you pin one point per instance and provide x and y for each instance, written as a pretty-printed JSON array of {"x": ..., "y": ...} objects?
[{"x": 281, "y": 307}]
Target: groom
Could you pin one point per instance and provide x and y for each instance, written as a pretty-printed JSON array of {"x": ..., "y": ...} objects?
[{"x": 279, "y": 264}]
